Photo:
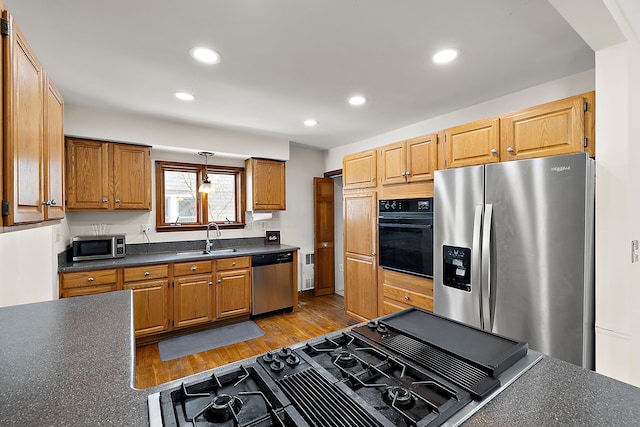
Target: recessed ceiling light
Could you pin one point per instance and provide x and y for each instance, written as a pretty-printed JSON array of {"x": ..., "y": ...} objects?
[
  {"x": 445, "y": 55},
  {"x": 357, "y": 100},
  {"x": 184, "y": 96},
  {"x": 206, "y": 55},
  {"x": 310, "y": 123}
]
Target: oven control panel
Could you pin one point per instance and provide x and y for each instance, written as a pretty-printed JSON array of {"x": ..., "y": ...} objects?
[{"x": 406, "y": 205}]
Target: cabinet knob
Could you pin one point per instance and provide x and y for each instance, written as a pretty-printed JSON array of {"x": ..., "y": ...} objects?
[
  {"x": 494, "y": 151},
  {"x": 233, "y": 263},
  {"x": 146, "y": 273},
  {"x": 46, "y": 203},
  {"x": 408, "y": 173},
  {"x": 105, "y": 200},
  {"x": 373, "y": 179},
  {"x": 53, "y": 202},
  {"x": 406, "y": 297},
  {"x": 510, "y": 150},
  {"x": 257, "y": 203},
  {"x": 194, "y": 268},
  {"x": 219, "y": 281},
  {"x": 117, "y": 200},
  {"x": 210, "y": 283},
  {"x": 90, "y": 279},
  {"x": 402, "y": 174}
]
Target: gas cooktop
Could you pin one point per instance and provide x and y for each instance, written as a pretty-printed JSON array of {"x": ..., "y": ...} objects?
[{"x": 395, "y": 371}]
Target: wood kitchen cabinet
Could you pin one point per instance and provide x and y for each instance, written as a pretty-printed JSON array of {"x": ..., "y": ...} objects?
[
  {"x": 32, "y": 123},
  {"x": 233, "y": 287},
  {"x": 266, "y": 185},
  {"x": 150, "y": 286},
  {"x": 400, "y": 291},
  {"x": 554, "y": 128},
  {"x": 408, "y": 161},
  {"x": 106, "y": 176},
  {"x": 359, "y": 170},
  {"x": 475, "y": 143},
  {"x": 193, "y": 294},
  {"x": 360, "y": 260},
  {"x": 88, "y": 282}
]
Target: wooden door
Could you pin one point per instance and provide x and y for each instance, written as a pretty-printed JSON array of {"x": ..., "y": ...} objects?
[
  {"x": 393, "y": 163},
  {"x": 131, "y": 177},
  {"x": 475, "y": 143},
  {"x": 421, "y": 158},
  {"x": 193, "y": 302},
  {"x": 324, "y": 245},
  {"x": 550, "y": 129},
  {"x": 87, "y": 175},
  {"x": 24, "y": 130},
  {"x": 359, "y": 170},
  {"x": 233, "y": 293},
  {"x": 53, "y": 152},
  {"x": 150, "y": 306}
]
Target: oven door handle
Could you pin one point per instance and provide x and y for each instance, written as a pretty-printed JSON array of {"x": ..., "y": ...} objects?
[{"x": 388, "y": 225}]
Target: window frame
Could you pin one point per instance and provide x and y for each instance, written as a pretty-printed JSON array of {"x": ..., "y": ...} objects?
[{"x": 201, "y": 199}]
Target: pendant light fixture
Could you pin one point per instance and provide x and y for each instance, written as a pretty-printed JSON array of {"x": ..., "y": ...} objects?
[{"x": 206, "y": 186}]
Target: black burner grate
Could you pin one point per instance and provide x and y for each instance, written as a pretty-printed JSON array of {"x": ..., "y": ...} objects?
[{"x": 324, "y": 404}]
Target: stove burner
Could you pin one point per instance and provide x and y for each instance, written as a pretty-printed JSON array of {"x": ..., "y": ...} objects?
[
  {"x": 382, "y": 329},
  {"x": 277, "y": 365},
  {"x": 270, "y": 357},
  {"x": 345, "y": 359},
  {"x": 285, "y": 352},
  {"x": 373, "y": 324},
  {"x": 293, "y": 360},
  {"x": 399, "y": 397},
  {"x": 223, "y": 408}
]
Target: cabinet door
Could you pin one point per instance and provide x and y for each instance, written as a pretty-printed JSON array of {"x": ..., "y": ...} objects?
[
  {"x": 475, "y": 143},
  {"x": 131, "y": 177},
  {"x": 421, "y": 158},
  {"x": 193, "y": 300},
  {"x": 545, "y": 130},
  {"x": 87, "y": 175},
  {"x": 53, "y": 152},
  {"x": 24, "y": 131},
  {"x": 233, "y": 293},
  {"x": 359, "y": 170},
  {"x": 150, "y": 306},
  {"x": 360, "y": 236},
  {"x": 360, "y": 286},
  {"x": 393, "y": 163},
  {"x": 268, "y": 182}
]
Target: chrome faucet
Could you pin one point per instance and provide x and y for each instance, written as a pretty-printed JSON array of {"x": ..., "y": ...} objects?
[{"x": 207, "y": 248}]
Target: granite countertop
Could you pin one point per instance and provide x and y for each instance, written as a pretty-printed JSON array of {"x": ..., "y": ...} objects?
[
  {"x": 170, "y": 252},
  {"x": 70, "y": 362}
]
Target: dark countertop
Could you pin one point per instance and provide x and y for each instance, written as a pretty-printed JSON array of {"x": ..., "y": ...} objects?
[
  {"x": 70, "y": 362},
  {"x": 157, "y": 255}
]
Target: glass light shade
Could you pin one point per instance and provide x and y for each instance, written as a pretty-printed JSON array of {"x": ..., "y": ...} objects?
[{"x": 206, "y": 186}]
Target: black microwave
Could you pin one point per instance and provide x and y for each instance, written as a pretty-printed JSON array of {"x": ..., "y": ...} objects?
[{"x": 87, "y": 248}]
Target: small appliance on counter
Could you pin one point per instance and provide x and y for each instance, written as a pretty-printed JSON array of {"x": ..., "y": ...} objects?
[
  {"x": 87, "y": 248},
  {"x": 411, "y": 368}
]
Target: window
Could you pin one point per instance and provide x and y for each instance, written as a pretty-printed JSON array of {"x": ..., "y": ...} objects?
[{"x": 179, "y": 205}]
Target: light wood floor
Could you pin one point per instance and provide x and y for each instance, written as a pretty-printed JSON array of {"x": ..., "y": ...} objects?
[{"x": 315, "y": 316}]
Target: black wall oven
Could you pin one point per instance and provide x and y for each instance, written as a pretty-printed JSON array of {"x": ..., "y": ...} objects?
[{"x": 405, "y": 236}]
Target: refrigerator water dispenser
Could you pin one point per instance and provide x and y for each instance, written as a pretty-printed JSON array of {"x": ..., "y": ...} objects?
[{"x": 456, "y": 266}]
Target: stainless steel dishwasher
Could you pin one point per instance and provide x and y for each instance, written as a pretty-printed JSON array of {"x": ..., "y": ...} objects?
[{"x": 272, "y": 287}]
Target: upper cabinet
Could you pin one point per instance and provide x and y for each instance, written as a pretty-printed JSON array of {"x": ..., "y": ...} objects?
[
  {"x": 32, "y": 135},
  {"x": 473, "y": 143},
  {"x": 550, "y": 129},
  {"x": 359, "y": 170},
  {"x": 408, "y": 161},
  {"x": 106, "y": 176},
  {"x": 266, "y": 185}
]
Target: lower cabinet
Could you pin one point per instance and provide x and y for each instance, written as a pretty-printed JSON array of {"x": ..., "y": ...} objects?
[
  {"x": 233, "y": 287},
  {"x": 361, "y": 290},
  {"x": 400, "y": 291},
  {"x": 193, "y": 294},
  {"x": 150, "y": 286},
  {"x": 88, "y": 282}
]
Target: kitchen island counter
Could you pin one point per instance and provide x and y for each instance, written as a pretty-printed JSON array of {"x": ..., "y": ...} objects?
[{"x": 70, "y": 362}]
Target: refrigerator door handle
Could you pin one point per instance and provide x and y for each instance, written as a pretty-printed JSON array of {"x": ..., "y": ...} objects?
[
  {"x": 476, "y": 273},
  {"x": 485, "y": 289}
]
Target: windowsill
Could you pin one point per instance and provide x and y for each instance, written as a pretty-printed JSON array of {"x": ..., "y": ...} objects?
[{"x": 196, "y": 227}]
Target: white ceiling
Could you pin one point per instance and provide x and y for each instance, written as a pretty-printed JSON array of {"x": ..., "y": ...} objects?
[{"x": 284, "y": 61}]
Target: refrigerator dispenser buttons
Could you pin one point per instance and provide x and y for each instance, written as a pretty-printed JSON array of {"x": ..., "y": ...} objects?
[
  {"x": 635, "y": 251},
  {"x": 456, "y": 266}
]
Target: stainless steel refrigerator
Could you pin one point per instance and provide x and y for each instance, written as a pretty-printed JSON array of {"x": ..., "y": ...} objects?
[{"x": 514, "y": 252}]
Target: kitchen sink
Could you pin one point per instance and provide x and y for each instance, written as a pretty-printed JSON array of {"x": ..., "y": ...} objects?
[{"x": 211, "y": 252}]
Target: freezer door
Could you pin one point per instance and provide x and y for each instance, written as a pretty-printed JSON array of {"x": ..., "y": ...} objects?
[
  {"x": 541, "y": 246},
  {"x": 458, "y": 209}
]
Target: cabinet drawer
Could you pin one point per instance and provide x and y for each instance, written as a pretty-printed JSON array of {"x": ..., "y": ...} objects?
[
  {"x": 185, "y": 268},
  {"x": 233, "y": 263},
  {"x": 407, "y": 297},
  {"x": 89, "y": 278},
  {"x": 87, "y": 290},
  {"x": 146, "y": 272}
]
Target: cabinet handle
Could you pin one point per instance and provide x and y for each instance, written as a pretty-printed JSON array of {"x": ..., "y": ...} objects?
[
  {"x": 402, "y": 174},
  {"x": 406, "y": 297},
  {"x": 146, "y": 273},
  {"x": 210, "y": 283},
  {"x": 46, "y": 203},
  {"x": 219, "y": 280},
  {"x": 373, "y": 179},
  {"x": 233, "y": 263},
  {"x": 105, "y": 200},
  {"x": 407, "y": 173},
  {"x": 494, "y": 151},
  {"x": 257, "y": 203},
  {"x": 117, "y": 200},
  {"x": 53, "y": 202},
  {"x": 90, "y": 279},
  {"x": 510, "y": 150},
  {"x": 194, "y": 268}
]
